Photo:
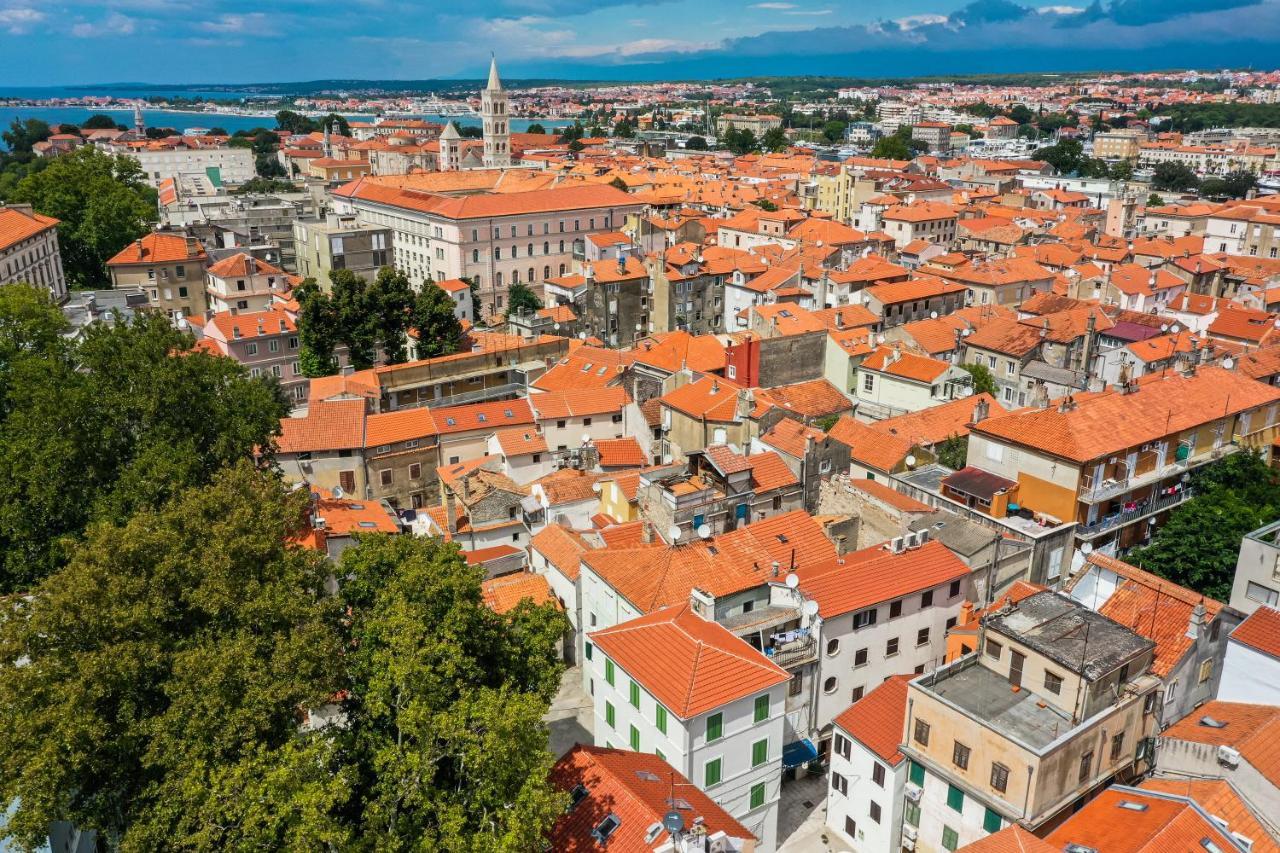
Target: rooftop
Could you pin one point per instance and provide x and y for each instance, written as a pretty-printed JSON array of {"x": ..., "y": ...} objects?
[{"x": 987, "y": 697}]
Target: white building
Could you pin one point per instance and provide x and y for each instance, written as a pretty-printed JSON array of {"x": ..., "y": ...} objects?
[
  {"x": 684, "y": 688},
  {"x": 217, "y": 165},
  {"x": 29, "y": 250},
  {"x": 493, "y": 112},
  {"x": 1251, "y": 670},
  {"x": 243, "y": 283},
  {"x": 868, "y": 774}
]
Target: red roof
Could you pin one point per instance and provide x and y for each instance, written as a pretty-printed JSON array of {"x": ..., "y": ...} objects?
[
  {"x": 1261, "y": 631},
  {"x": 157, "y": 248},
  {"x": 503, "y": 593},
  {"x": 875, "y": 720},
  {"x": 494, "y": 416},
  {"x": 17, "y": 225},
  {"x": 634, "y": 787},
  {"x": 620, "y": 453},
  {"x": 1254, "y": 730},
  {"x": 554, "y": 405},
  {"x": 328, "y": 425},
  {"x": 243, "y": 265},
  {"x": 875, "y": 575},
  {"x": 1168, "y": 824},
  {"x": 702, "y": 665}
]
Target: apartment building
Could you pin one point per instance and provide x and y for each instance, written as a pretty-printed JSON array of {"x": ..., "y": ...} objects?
[
  {"x": 1000, "y": 281},
  {"x": 169, "y": 267},
  {"x": 930, "y": 221},
  {"x": 710, "y": 705},
  {"x": 1056, "y": 704},
  {"x": 265, "y": 342},
  {"x": 1112, "y": 461},
  {"x": 29, "y": 250},
  {"x": 889, "y": 382},
  {"x": 338, "y": 242},
  {"x": 935, "y": 134},
  {"x": 242, "y": 282},
  {"x": 494, "y": 239},
  {"x": 900, "y": 302},
  {"x": 1257, "y": 577},
  {"x": 1245, "y": 228},
  {"x": 757, "y": 124},
  {"x": 205, "y": 160},
  {"x": 1120, "y": 144},
  {"x": 1251, "y": 668},
  {"x": 402, "y": 453}
]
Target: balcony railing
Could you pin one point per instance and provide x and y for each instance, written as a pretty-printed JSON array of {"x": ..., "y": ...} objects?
[
  {"x": 1112, "y": 487},
  {"x": 1142, "y": 510},
  {"x": 794, "y": 653}
]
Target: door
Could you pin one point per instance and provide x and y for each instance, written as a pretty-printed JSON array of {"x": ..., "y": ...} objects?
[{"x": 1015, "y": 668}]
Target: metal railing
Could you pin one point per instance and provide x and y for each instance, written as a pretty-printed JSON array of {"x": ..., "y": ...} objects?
[
  {"x": 796, "y": 653},
  {"x": 1124, "y": 517}
]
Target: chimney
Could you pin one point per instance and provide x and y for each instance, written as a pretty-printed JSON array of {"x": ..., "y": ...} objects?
[
  {"x": 1195, "y": 625},
  {"x": 966, "y": 613},
  {"x": 839, "y": 319},
  {"x": 466, "y": 487},
  {"x": 193, "y": 247},
  {"x": 980, "y": 411},
  {"x": 450, "y": 512}
]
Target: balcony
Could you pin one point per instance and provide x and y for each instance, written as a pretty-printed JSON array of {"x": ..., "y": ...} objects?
[
  {"x": 1114, "y": 487},
  {"x": 794, "y": 653},
  {"x": 1141, "y": 511}
]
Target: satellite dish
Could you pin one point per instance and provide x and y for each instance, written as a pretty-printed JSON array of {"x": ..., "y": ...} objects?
[
  {"x": 966, "y": 333},
  {"x": 811, "y": 608},
  {"x": 911, "y": 460},
  {"x": 556, "y": 327},
  {"x": 793, "y": 580},
  {"x": 673, "y": 821},
  {"x": 933, "y": 315},
  {"x": 673, "y": 533},
  {"x": 1228, "y": 362},
  {"x": 1174, "y": 328},
  {"x": 586, "y": 438},
  {"x": 967, "y": 391},
  {"x": 337, "y": 493},
  {"x": 704, "y": 531},
  {"x": 582, "y": 336},
  {"x": 879, "y": 339},
  {"x": 1087, "y": 548},
  {"x": 1164, "y": 327},
  {"x": 595, "y": 487},
  {"x": 182, "y": 323}
]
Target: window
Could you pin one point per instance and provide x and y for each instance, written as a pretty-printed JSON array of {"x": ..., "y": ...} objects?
[
  {"x": 915, "y": 773},
  {"x": 711, "y": 773},
  {"x": 877, "y": 774},
  {"x": 955, "y": 589},
  {"x": 1053, "y": 683},
  {"x": 991, "y": 821},
  {"x": 762, "y": 708},
  {"x": 1262, "y": 594},
  {"x": 955, "y": 798},
  {"x": 759, "y": 752},
  {"x": 635, "y": 695},
  {"x": 839, "y": 783},
  {"x": 842, "y": 746},
  {"x": 1086, "y": 766},
  {"x": 864, "y": 618},
  {"x": 993, "y": 649},
  {"x": 922, "y": 733},
  {"x": 999, "y": 777},
  {"x": 415, "y": 471},
  {"x": 610, "y": 716},
  {"x": 950, "y": 838},
  {"x": 586, "y": 649},
  {"x": 715, "y": 727},
  {"x": 660, "y": 719},
  {"x": 608, "y": 671},
  {"x": 875, "y": 812},
  {"x": 757, "y": 795},
  {"x": 926, "y": 599},
  {"x": 1117, "y": 746},
  {"x": 891, "y": 647},
  {"x": 960, "y": 756},
  {"x": 833, "y": 647},
  {"x": 911, "y": 813},
  {"x": 796, "y": 686},
  {"x": 347, "y": 479},
  {"x": 922, "y": 637},
  {"x": 635, "y": 738},
  {"x": 250, "y": 349},
  {"x": 895, "y": 609},
  {"x": 385, "y": 476},
  {"x": 829, "y": 686},
  {"x": 1206, "y": 670},
  {"x": 860, "y": 658},
  {"x": 856, "y": 693},
  {"x": 868, "y": 381}
]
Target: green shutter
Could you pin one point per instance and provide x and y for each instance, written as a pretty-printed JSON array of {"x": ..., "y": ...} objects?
[
  {"x": 660, "y": 719},
  {"x": 757, "y": 795},
  {"x": 635, "y": 738},
  {"x": 608, "y": 671},
  {"x": 950, "y": 838},
  {"x": 660, "y": 754},
  {"x": 759, "y": 752},
  {"x": 608, "y": 713},
  {"x": 712, "y": 773},
  {"x": 635, "y": 695},
  {"x": 762, "y": 708},
  {"x": 916, "y": 774},
  {"x": 587, "y": 647},
  {"x": 991, "y": 821},
  {"x": 715, "y": 727},
  {"x": 955, "y": 798},
  {"x": 911, "y": 813}
]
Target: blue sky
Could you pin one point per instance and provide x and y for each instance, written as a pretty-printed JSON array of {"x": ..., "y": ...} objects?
[{"x": 62, "y": 42}]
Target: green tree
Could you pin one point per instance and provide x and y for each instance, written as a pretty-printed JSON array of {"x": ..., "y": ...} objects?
[
  {"x": 739, "y": 141},
  {"x": 25, "y": 133},
  {"x": 521, "y": 299},
  {"x": 435, "y": 322},
  {"x": 344, "y": 126},
  {"x": 218, "y": 130},
  {"x": 765, "y": 204},
  {"x": 101, "y": 201},
  {"x": 1021, "y": 114},
  {"x": 624, "y": 129},
  {"x": 1213, "y": 187},
  {"x": 391, "y": 304},
  {"x": 535, "y": 128},
  {"x": 891, "y": 148},
  {"x": 833, "y": 131},
  {"x": 268, "y": 166},
  {"x": 446, "y": 743},
  {"x": 1066, "y": 157},
  {"x": 983, "y": 381},
  {"x": 774, "y": 139},
  {"x": 264, "y": 185},
  {"x": 1199, "y": 545},
  {"x": 294, "y": 122},
  {"x": 575, "y": 145},
  {"x": 357, "y": 324},
  {"x": 98, "y": 121},
  {"x": 1238, "y": 184},
  {"x": 317, "y": 330},
  {"x": 1175, "y": 177},
  {"x": 138, "y": 416},
  {"x": 1154, "y": 200},
  {"x": 169, "y": 707},
  {"x": 695, "y": 143},
  {"x": 953, "y": 451},
  {"x": 1121, "y": 170},
  {"x": 619, "y": 183}
]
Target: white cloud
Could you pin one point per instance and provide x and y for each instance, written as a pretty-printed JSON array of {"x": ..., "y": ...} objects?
[
  {"x": 808, "y": 12},
  {"x": 114, "y": 24},
  {"x": 20, "y": 20},
  {"x": 776, "y": 6},
  {"x": 255, "y": 22},
  {"x": 1060, "y": 10}
]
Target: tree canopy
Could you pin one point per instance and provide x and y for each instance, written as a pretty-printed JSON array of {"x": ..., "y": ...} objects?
[
  {"x": 983, "y": 381},
  {"x": 102, "y": 202},
  {"x": 695, "y": 143},
  {"x": 1175, "y": 177},
  {"x": 435, "y": 322},
  {"x": 520, "y": 299},
  {"x": 892, "y": 147},
  {"x": 138, "y": 417}
]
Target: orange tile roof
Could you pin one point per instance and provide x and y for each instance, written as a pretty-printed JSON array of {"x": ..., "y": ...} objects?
[
  {"x": 328, "y": 425},
  {"x": 562, "y": 548},
  {"x": 18, "y": 225},
  {"x": 401, "y": 425},
  {"x": 921, "y": 211},
  {"x": 938, "y": 423},
  {"x": 923, "y": 287},
  {"x": 769, "y": 472},
  {"x": 520, "y": 441},
  {"x": 711, "y": 397},
  {"x": 242, "y": 264},
  {"x": 789, "y": 436},
  {"x": 1244, "y": 324},
  {"x": 671, "y": 351},
  {"x": 635, "y": 787},
  {"x": 492, "y": 416},
  {"x": 870, "y": 447},
  {"x": 362, "y": 383},
  {"x": 1261, "y": 631},
  {"x": 157, "y": 248},
  {"x": 1011, "y": 839},
  {"x": 584, "y": 367},
  {"x": 1253, "y": 730},
  {"x": 702, "y": 666},
  {"x": 251, "y": 324},
  {"x": 1167, "y": 824},
  {"x": 620, "y": 453},
  {"x": 889, "y": 495},
  {"x": 490, "y": 204},
  {"x": 1010, "y": 337},
  {"x": 876, "y": 720},
  {"x": 1108, "y": 422},
  {"x": 568, "y": 485},
  {"x": 1219, "y": 798},
  {"x": 555, "y": 405},
  {"x": 503, "y": 593},
  {"x": 815, "y": 398},
  {"x": 876, "y": 575},
  {"x": 905, "y": 365}
]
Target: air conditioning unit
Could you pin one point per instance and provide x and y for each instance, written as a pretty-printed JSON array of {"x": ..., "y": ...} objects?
[
  {"x": 1228, "y": 757},
  {"x": 908, "y": 843},
  {"x": 909, "y": 831},
  {"x": 914, "y": 792}
]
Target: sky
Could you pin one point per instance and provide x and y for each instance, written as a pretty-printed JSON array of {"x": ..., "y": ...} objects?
[{"x": 69, "y": 42}]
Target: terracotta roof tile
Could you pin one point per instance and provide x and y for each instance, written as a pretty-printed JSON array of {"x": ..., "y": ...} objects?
[
  {"x": 503, "y": 593},
  {"x": 328, "y": 425},
  {"x": 401, "y": 425},
  {"x": 769, "y": 472},
  {"x": 480, "y": 416},
  {"x": 876, "y": 720},
  {"x": 1261, "y": 631},
  {"x": 1254, "y": 730},
  {"x": 1219, "y": 798},
  {"x": 555, "y": 405},
  {"x": 157, "y": 248},
  {"x": 870, "y": 447},
  {"x": 1167, "y": 824},
  {"x": 875, "y": 575},
  {"x": 18, "y": 225},
  {"x": 938, "y": 423},
  {"x": 562, "y": 548}
]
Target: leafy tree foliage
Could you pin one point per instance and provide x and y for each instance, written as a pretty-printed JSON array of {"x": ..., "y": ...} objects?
[
  {"x": 833, "y": 130},
  {"x": 695, "y": 143},
  {"x": 774, "y": 139},
  {"x": 168, "y": 709},
  {"x": 535, "y": 128},
  {"x": 99, "y": 121},
  {"x": 953, "y": 452},
  {"x": 1175, "y": 177},
  {"x": 362, "y": 316},
  {"x": 1199, "y": 545},
  {"x": 739, "y": 141},
  {"x": 436, "y": 324},
  {"x": 521, "y": 299},
  {"x": 624, "y": 129},
  {"x": 983, "y": 381},
  {"x": 264, "y": 185},
  {"x": 268, "y": 166},
  {"x": 892, "y": 147},
  {"x": 765, "y": 204},
  {"x": 295, "y": 122},
  {"x": 97, "y": 428},
  {"x": 23, "y": 134},
  {"x": 1066, "y": 157},
  {"x": 102, "y": 202}
]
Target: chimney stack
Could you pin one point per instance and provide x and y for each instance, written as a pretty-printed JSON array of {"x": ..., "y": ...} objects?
[{"x": 1195, "y": 625}]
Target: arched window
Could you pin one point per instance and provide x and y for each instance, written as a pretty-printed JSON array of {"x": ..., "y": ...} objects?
[
  {"x": 497, "y": 253},
  {"x": 515, "y": 276},
  {"x": 475, "y": 256},
  {"x": 533, "y": 276},
  {"x": 562, "y": 247},
  {"x": 546, "y": 248},
  {"x": 531, "y": 250},
  {"x": 546, "y": 271},
  {"x": 497, "y": 279},
  {"x": 515, "y": 251},
  {"x": 562, "y": 268}
]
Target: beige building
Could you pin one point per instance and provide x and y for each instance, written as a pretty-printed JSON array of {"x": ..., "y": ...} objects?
[
  {"x": 340, "y": 243},
  {"x": 757, "y": 124},
  {"x": 169, "y": 267},
  {"x": 243, "y": 283},
  {"x": 29, "y": 250},
  {"x": 1056, "y": 704},
  {"x": 1118, "y": 144}
]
